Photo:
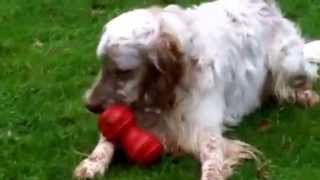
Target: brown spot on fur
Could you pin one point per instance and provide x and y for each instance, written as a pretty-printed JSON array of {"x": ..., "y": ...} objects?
[{"x": 163, "y": 72}]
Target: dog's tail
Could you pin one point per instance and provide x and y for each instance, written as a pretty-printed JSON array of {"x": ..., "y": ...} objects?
[{"x": 312, "y": 55}]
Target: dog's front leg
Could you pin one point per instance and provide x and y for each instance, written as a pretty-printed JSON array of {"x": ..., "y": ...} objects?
[
  {"x": 212, "y": 159},
  {"x": 97, "y": 162}
]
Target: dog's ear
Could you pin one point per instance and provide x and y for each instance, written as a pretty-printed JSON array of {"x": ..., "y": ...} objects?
[
  {"x": 165, "y": 53},
  {"x": 163, "y": 71}
]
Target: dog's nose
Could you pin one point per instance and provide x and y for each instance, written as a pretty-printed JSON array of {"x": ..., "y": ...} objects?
[{"x": 94, "y": 107}]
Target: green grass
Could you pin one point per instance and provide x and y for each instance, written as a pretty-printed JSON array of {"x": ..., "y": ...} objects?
[{"x": 47, "y": 60}]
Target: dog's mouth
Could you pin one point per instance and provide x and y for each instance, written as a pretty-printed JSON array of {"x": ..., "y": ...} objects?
[
  {"x": 99, "y": 108},
  {"x": 102, "y": 97},
  {"x": 95, "y": 109}
]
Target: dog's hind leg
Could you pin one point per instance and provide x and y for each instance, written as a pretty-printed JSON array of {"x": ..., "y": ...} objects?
[
  {"x": 291, "y": 74},
  {"x": 294, "y": 82},
  {"x": 305, "y": 95}
]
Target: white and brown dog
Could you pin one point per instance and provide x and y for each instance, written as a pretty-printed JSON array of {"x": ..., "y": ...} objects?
[{"x": 189, "y": 73}]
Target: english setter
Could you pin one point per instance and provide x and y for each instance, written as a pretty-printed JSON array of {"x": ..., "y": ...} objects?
[{"x": 190, "y": 73}]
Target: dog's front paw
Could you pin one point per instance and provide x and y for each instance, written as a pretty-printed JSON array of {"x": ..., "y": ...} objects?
[
  {"x": 89, "y": 169},
  {"x": 308, "y": 98}
]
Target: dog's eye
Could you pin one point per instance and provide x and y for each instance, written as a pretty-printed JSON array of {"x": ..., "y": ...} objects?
[
  {"x": 119, "y": 71},
  {"x": 124, "y": 74}
]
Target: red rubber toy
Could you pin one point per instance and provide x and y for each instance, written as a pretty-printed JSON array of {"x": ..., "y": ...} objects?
[{"x": 118, "y": 124}]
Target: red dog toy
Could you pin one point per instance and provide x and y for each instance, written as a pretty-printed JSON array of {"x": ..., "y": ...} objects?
[{"x": 117, "y": 123}]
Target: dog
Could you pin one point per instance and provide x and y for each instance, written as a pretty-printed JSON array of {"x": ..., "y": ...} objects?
[{"x": 189, "y": 74}]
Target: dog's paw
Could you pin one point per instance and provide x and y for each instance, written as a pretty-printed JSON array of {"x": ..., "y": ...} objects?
[
  {"x": 307, "y": 98},
  {"x": 89, "y": 169}
]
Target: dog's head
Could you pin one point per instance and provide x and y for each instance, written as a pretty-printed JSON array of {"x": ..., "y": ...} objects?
[{"x": 141, "y": 64}]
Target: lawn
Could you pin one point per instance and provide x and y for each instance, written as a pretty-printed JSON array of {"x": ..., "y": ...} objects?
[{"x": 47, "y": 60}]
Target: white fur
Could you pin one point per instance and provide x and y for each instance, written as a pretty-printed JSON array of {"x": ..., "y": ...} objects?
[
  {"x": 312, "y": 51},
  {"x": 236, "y": 45},
  {"x": 312, "y": 55}
]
